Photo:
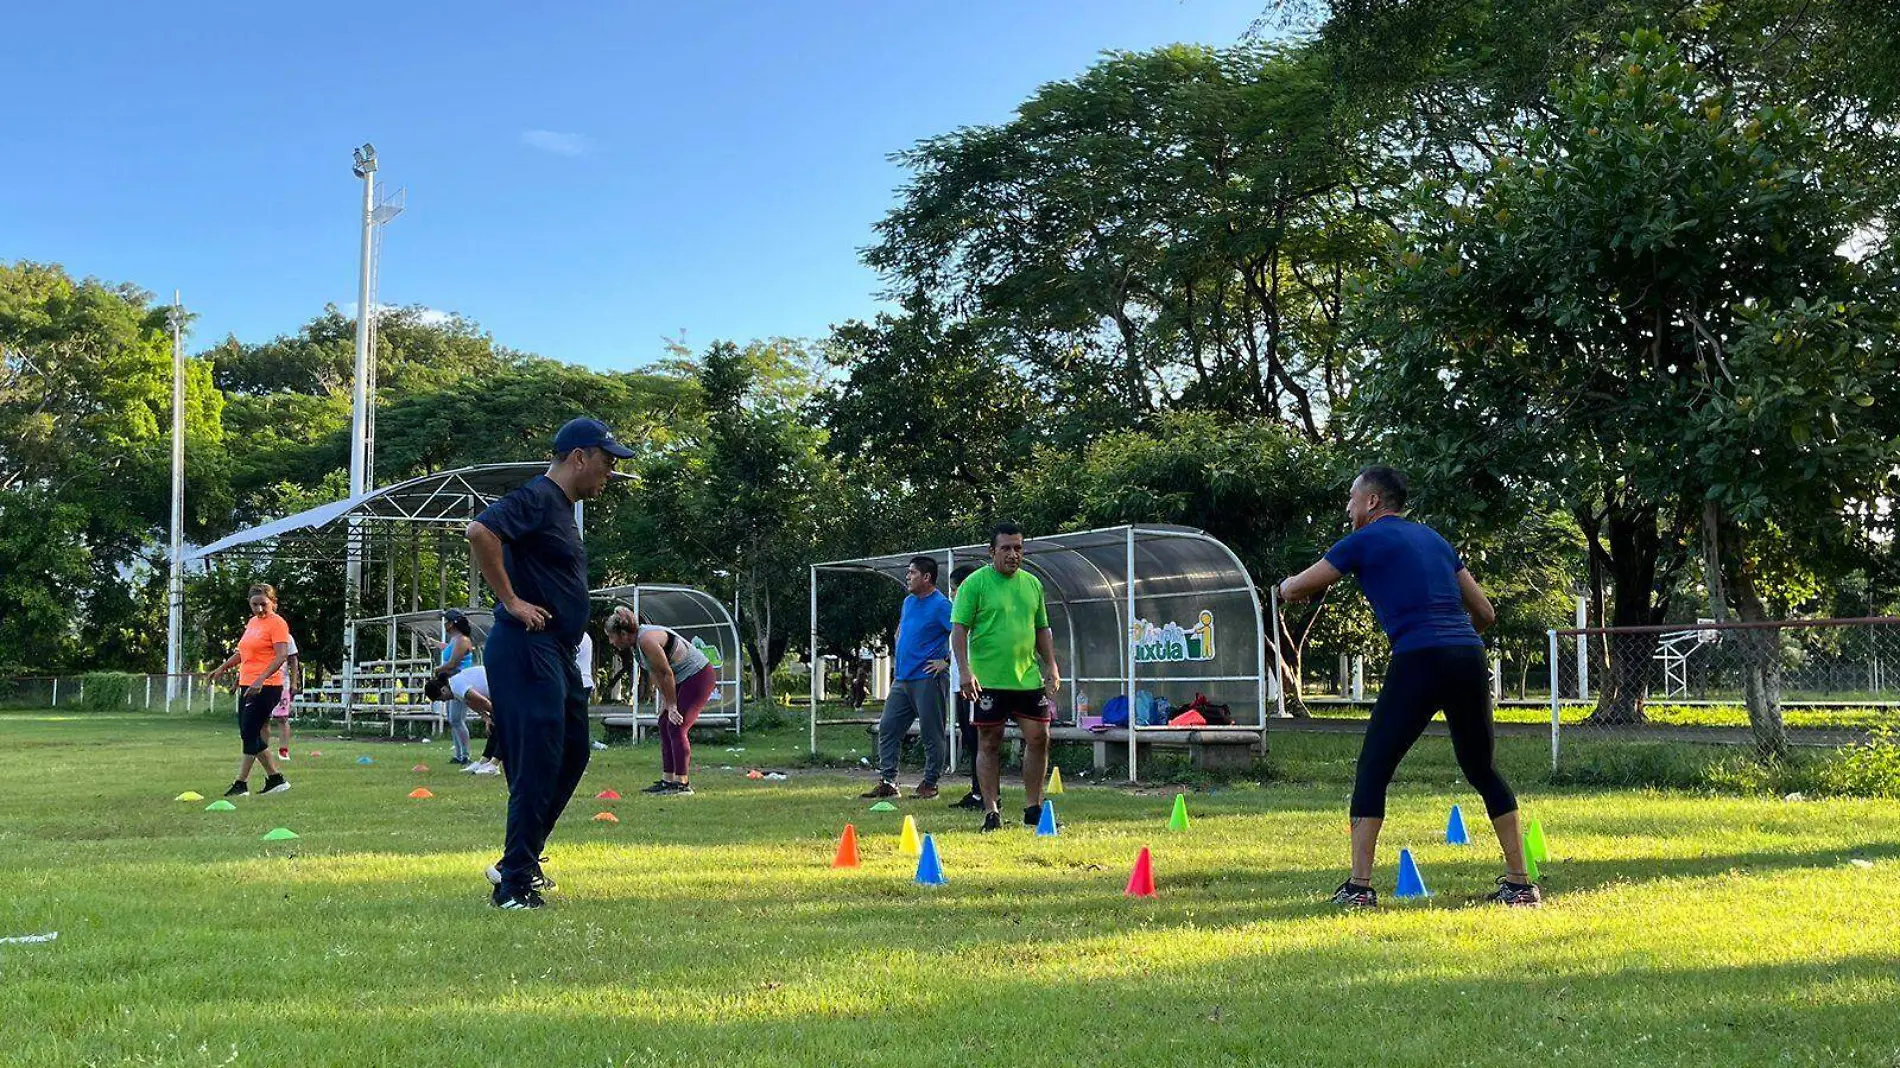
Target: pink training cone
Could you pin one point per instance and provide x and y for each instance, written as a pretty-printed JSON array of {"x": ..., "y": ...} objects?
[
  {"x": 607, "y": 795},
  {"x": 1141, "y": 881}
]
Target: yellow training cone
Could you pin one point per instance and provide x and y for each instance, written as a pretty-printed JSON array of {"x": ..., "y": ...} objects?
[
  {"x": 189, "y": 795},
  {"x": 908, "y": 844},
  {"x": 1055, "y": 782}
]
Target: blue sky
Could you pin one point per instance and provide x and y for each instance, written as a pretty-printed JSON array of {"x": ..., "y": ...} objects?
[{"x": 582, "y": 179}]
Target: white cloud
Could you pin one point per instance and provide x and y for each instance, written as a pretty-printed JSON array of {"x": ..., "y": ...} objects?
[{"x": 561, "y": 144}]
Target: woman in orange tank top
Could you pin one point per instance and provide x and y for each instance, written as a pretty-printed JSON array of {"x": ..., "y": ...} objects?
[{"x": 259, "y": 661}]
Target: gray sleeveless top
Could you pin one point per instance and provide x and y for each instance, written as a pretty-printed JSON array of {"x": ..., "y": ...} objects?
[{"x": 685, "y": 658}]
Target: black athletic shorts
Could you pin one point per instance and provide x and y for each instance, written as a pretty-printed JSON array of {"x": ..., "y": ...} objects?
[
  {"x": 995, "y": 707},
  {"x": 254, "y": 716}
]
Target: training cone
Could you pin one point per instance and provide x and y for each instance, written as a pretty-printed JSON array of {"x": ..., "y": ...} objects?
[
  {"x": 189, "y": 795},
  {"x": 607, "y": 795},
  {"x": 420, "y": 793},
  {"x": 755, "y": 774},
  {"x": 907, "y": 843},
  {"x": 220, "y": 805},
  {"x": 316, "y": 752},
  {"x": 929, "y": 867},
  {"x": 847, "y": 849},
  {"x": 883, "y": 806},
  {"x": 606, "y": 817},
  {"x": 1179, "y": 821},
  {"x": 281, "y": 834},
  {"x": 1530, "y": 861},
  {"x": 1055, "y": 783},
  {"x": 365, "y": 760},
  {"x": 1535, "y": 847},
  {"x": 420, "y": 768},
  {"x": 1141, "y": 881},
  {"x": 1411, "y": 883},
  {"x": 1046, "y": 826},
  {"x": 1455, "y": 828}
]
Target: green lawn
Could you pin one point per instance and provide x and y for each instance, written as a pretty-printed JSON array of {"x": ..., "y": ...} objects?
[{"x": 1681, "y": 929}]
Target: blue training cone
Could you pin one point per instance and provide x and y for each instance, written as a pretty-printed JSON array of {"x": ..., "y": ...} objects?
[
  {"x": 1046, "y": 827},
  {"x": 1411, "y": 883},
  {"x": 929, "y": 868},
  {"x": 1455, "y": 830},
  {"x": 365, "y": 760}
]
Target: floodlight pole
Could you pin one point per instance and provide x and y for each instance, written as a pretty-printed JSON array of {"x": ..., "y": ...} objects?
[
  {"x": 175, "y": 584},
  {"x": 363, "y": 165}
]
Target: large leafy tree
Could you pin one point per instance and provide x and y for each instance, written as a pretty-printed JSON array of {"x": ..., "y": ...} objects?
[
  {"x": 85, "y": 431},
  {"x": 1170, "y": 228},
  {"x": 1644, "y": 319}
]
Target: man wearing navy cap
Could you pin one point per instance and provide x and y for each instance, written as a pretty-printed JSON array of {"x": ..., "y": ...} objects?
[{"x": 530, "y": 553}]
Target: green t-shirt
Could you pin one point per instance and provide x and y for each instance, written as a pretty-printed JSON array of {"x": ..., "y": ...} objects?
[{"x": 1003, "y": 615}]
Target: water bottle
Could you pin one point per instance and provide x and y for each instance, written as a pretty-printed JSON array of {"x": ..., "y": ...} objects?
[{"x": 1081, "y": 705}]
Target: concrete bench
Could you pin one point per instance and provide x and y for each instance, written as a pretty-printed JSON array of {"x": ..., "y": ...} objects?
[
  {"x": 1210, "y": 748},
  {"x": 620, "y": 721}
]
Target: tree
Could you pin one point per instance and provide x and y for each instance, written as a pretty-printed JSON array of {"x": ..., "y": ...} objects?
[
  {"x": 745, "y": 490},
  {"x": 1171, "y": 228},
  {"x": 85, "y": 418},
  {"x": 1567, "y": 325}
]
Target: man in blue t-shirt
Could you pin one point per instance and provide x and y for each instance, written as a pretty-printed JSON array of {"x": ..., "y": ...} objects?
[
  {"x": 921, "y": 689},
  {"x": 1432, "y": 610},
  {"x": 529, "y": 550}
]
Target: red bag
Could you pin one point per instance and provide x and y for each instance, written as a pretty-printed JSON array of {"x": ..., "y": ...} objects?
[{"x": 1190, "y": 718}]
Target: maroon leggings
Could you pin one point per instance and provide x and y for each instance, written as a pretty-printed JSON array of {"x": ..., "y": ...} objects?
[{"x": 676, "y": 749}]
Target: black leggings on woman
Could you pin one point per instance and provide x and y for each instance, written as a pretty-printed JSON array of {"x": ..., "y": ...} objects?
[{"x": 1452, "y": 679}]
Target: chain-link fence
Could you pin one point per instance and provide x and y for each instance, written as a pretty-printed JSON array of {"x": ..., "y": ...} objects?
[
  {"x": 110, "y": 691},
  {"x": 1773, "y": 685}
]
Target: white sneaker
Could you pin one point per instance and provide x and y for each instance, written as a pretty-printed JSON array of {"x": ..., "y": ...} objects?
[
  {"x": 488, "y": 769},
  {"x": 600, "y": 745},
  {"x": 473, "y": 767}
]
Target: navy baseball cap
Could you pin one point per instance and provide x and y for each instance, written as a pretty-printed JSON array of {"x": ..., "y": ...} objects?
[{"x": 588, "y": 434}]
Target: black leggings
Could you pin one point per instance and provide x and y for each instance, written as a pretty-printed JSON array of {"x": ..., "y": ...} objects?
[
  {"x": 1452, "y": 679},
  {"x": 493, "y": 749},
  {"x": 254, "y": 717}
]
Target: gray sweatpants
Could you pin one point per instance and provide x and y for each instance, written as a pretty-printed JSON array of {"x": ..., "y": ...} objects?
[{"x": 914, "y": 700}]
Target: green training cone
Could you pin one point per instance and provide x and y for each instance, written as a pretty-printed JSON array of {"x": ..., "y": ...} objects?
[
  {"x": 1179, "y": 821},
  {"x": 1530, "y": 861},
  {"x": 883, "y": 806},
  {"x": 220, "y": 805},
  {"x": 281, "y": 834},
  {"x": 1534, "y": 845}
]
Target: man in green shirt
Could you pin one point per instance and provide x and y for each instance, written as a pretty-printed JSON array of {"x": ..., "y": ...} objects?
[{"x": 999, "y": 628}]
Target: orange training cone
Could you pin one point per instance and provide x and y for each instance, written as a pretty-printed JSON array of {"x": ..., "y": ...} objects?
[
  {"x": 420, "y": 767},
  {"x": 607, "y": 795},
  {"x": 420, "y": 792},
  {"x": 1141, "y": 881},
  {"x": 847, "y": 849},
  {"x": 755, "y": 774},
  {"x": 606, "y": 817}
]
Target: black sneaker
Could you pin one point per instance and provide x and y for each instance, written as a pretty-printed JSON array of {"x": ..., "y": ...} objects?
[
  {"x": 972, "y": 801},
  {"x": 1355, "y": 897},
  {"x": 238, "y": 789},
  {"x": 275, "y": 784},
  {"x": 660, "y": 786},
  {"x": 523, "y": 899},
  {"x": 680, "y": 789},
  {"x": 1517, "y": 895},
  {"x": 1032, "y": 815},
  {"x": 992, "y": 821},
  {"x": 539, "y": 881},
  {"x": 883, "y": 791}
]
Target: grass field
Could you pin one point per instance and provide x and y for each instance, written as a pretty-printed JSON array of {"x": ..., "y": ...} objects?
[{"x": 1681, "y": 929}]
